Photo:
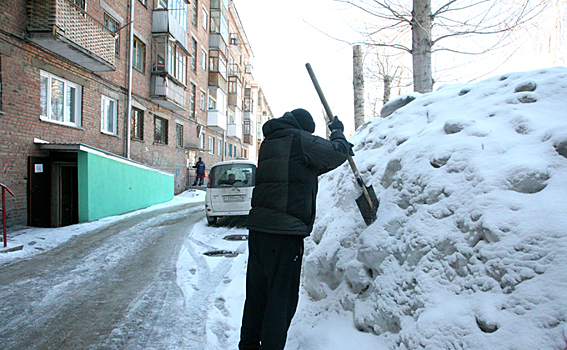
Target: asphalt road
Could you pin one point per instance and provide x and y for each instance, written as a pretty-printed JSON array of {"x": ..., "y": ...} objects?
[{"x": 112, "y": 288}]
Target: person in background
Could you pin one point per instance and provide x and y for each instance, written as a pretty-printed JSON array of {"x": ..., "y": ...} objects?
[
  {"x": 282, "y": 215},
  {"x": 200, "y": 166}
]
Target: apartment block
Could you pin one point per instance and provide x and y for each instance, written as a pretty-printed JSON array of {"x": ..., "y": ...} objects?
[{"x": 105, "y": 105}]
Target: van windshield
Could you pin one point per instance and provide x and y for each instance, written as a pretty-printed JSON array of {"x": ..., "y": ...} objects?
[{"x": 232, "y": 175}]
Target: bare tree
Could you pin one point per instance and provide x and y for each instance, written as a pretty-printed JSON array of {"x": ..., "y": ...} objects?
[
  {"x": 449, "y": 20},
  {"x": 358, "y": 85},
  {"x": 386, "y": 71}
]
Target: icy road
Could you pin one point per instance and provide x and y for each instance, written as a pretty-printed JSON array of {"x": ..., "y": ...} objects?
[{"x": 118, "y": 287}]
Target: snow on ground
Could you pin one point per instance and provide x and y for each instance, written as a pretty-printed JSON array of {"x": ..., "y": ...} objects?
[
  {"x": 469, "y": 248},
  {"x": 36, "y": 240}
]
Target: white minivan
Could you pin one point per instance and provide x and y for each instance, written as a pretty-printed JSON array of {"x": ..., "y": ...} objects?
[{"x": 229, "y": 191}]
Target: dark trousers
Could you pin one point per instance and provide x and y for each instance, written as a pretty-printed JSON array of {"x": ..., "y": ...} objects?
[
  {"x": 199, "y": 180},
  {"x": 272, "y": 290}
]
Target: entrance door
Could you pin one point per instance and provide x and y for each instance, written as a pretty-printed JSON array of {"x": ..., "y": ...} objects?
[
  {"x": 39, "y": 191},
  {"x": 65, "y": 200}
]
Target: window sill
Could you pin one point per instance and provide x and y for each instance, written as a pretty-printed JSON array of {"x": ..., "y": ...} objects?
[
  {"x": 108, "y": 133},
  {"x": 73, "y": 126}
]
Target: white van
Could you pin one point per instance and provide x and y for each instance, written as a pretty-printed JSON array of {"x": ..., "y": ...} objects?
[{"x": 229, "y": 191}]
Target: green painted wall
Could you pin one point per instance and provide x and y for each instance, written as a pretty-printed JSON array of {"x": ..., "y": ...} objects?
[{"x": 108, "y": 186}]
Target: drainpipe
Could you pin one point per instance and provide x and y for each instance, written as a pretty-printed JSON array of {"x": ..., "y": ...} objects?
[
  {"x": 223, "y": 157},
  {"x": 130, "y": 61}
]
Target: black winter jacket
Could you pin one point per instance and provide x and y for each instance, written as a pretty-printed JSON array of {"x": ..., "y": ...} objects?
[{"x": 290, "y": 160}]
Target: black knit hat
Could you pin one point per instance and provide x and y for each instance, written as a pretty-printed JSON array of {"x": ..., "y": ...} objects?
[{"x": 304, "y": 119}]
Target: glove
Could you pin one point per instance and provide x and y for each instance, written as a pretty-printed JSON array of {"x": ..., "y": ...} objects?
[
  {"x": 350, "y": 151},
  {"x": 336, "y": 124}
]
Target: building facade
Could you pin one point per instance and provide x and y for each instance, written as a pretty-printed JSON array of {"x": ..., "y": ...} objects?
[{"x": 114, "y": 101}]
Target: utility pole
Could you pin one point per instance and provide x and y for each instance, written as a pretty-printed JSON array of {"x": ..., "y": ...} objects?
[{"x": 358, "y": 84}]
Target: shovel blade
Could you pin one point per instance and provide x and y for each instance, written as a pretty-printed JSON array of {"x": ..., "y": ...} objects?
[{"x": 367, "y": 210}]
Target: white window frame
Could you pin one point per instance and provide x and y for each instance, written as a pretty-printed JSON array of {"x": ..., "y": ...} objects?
[
  {"x": 219, "y": 147},
  {"x": 204, "y": 58},
  {"x": 71, "y": 113},
  {"x": 108, "y": 124},
  {"x": 205, "y": 19},
  {"x": 203, "y": 102},
  {"x": 202, "y": 141},
  {"x": 211, "y": 145}
]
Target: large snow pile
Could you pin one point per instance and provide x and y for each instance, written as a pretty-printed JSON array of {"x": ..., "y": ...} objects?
[{"x": 469, "y": 250}]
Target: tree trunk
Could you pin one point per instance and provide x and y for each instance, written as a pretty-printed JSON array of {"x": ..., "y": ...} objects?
[
  {"x": 358, "y": 84},
  {"x": 387, "y": 88},
  {"x": 421, "y": 46}
]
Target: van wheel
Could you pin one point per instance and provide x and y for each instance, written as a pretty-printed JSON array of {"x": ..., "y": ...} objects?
[{"x": 212, "y": 220}]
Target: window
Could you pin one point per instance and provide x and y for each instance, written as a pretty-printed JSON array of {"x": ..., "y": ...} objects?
[
  {"x": 139, "y": 55},
  {"x": 212, "y": 103},
  {"x": 203, "y": 101},
  {"x": 211, "y": 145},
  {"x": 192, "y": 97},
  {"x": 177, "y": 61},
  {"x": 194, "y": 13},
  {"x": 230, "y": 149},
  {"x": 179, "y": 12},
  {"x": 204, "y": 59},
  {"x": 80, "y": 3},
  {"x": 162, "y": 4},
  {"x": 219, "y": 147},
  {"x": 113, "y": 26},
  {"x": 202, "y": 141},
  {"x": 60, "y": 100},
  {"x": 160, "y": 130},
  {"x": 108, "y": 115},
  {"x": 137, "y": 119},
  {"x": 205, "y": 19},
  {"x": 179, "y": 135},
  {"x": 217, "y": 63},
  {"x": 194, "y": 55}
]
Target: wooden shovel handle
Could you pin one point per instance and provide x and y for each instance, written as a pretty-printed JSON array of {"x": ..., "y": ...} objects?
[{"x": 330, "y": 118}]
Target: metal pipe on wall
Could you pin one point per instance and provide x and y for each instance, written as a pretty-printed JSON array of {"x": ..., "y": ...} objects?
[{"x": 130, "y": 62}]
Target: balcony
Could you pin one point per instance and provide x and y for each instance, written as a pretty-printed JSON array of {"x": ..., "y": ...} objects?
[
  {"x": 167, "y": 93},
  {"x": 235, "y": 44},
  {"x": 164, "y": 22},
  {"x": 234, "y": 127},
  {"x": 246, "y": 136},
  {"x": 216, "y": 79},
  {"x": 234, "y": 130},
  {"x": 65, "y": 29},
  {"x": 216, "y": 120},
  {"x": 249, "y": 69},
  {"x": 216, "y": 42}
]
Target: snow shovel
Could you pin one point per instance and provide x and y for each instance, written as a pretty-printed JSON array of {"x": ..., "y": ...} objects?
[{"x": 367, "y": 202}]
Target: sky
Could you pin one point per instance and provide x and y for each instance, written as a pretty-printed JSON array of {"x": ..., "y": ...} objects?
[
  {"x": 468, "y": 248},
  {"x": 285, "y": 35}
]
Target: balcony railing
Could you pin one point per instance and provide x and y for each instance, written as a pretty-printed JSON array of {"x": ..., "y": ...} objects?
[
  {"x": 62, "y": 27},
  {"x": 216, "y": 120},
  {"x": 167, "y": 93},
  {"x": 235, "y": 43},
  {"x": 164, "y": 22},
  {"x": 234, "y": 100},
  {"x": 234, "y": 130},
  {"x": 216, "y": 79}
]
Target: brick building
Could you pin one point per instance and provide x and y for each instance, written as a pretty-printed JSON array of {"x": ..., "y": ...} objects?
[{"x": 108, "y": 101}]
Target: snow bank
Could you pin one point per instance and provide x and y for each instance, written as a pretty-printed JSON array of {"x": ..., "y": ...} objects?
[{"x": 469, "y": 248}]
